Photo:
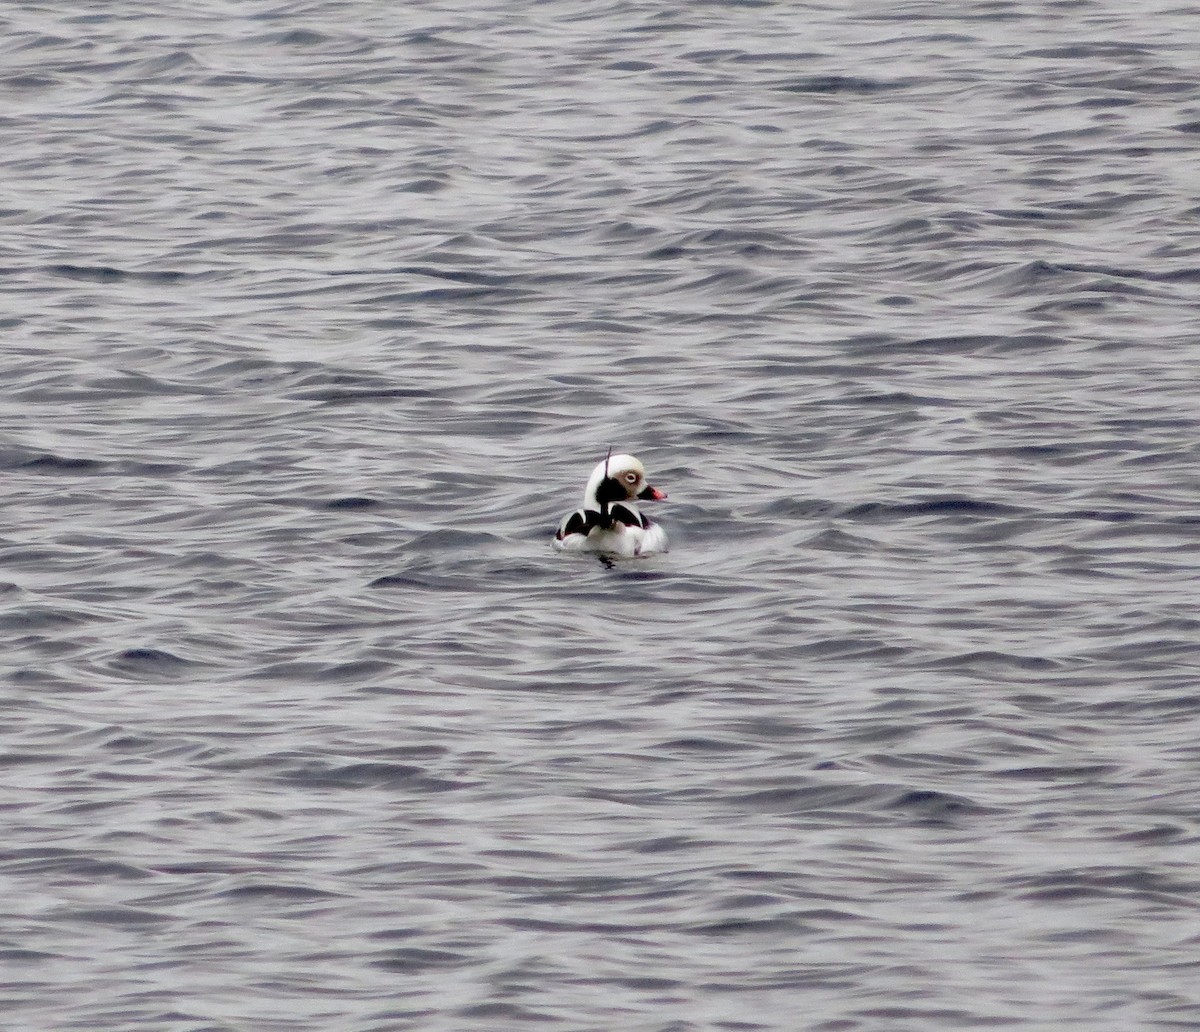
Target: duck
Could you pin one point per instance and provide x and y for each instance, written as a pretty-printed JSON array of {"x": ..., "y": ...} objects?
[{"x": 610, "y": 522}]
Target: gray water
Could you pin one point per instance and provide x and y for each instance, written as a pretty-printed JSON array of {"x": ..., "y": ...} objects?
[{"x": 316, "y": 317}]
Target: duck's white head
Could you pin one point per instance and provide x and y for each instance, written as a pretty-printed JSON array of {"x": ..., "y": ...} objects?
[{"x": 619, "y": 478}]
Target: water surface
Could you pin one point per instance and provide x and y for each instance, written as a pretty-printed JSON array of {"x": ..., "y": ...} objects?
[{"x": 316, "y": 318}]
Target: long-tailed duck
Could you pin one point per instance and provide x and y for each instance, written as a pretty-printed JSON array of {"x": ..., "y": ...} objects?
[{"x": 609, "y": 522}]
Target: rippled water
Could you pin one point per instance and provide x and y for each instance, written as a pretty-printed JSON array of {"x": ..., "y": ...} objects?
[{"x": 317, "y": 316}]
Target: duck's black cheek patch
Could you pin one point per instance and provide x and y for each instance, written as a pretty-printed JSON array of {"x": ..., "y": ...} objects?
[{"x": 610, "y": 491}]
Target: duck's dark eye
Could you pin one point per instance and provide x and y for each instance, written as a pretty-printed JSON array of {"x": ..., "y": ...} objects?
[{"x": 631, "y": 478}]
